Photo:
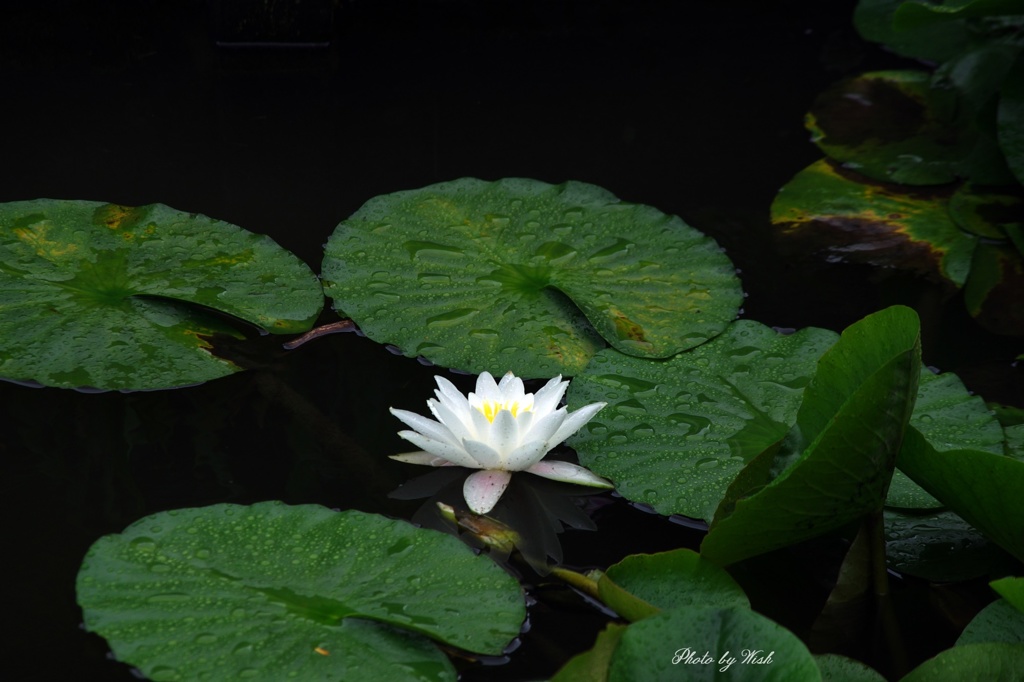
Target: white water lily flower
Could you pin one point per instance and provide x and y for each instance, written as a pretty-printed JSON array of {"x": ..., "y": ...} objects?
[{"x": 500, "y": 429}]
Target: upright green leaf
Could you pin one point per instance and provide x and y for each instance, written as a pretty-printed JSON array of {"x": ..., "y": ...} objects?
[
  {"x": 525, "y": 276},
  {"x": 982, "y": 487},
  {"x": 273, "y": 592},
  {"x": 675, "y": 433},
  {"x": 112, "y": 297},
  {"x": 852, "y": 419}
]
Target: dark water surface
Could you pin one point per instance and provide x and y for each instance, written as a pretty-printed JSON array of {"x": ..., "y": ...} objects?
[{"x": 693, "y": 107}]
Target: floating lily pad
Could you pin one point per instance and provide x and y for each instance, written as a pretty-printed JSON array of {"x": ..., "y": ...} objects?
[
  {"x": 940, "y": 547},
  {"x": 897, "y": 126},
  {"x": 988, "y": 212},
  {"x": 696, "y": 643},
  {"x": 852, "y": 218},
  {"x": 950, "y": 418},
  {"x": 666, "y": 580},
  {"x": 1000, "y": 621},
  {"x": 848, "y": 432},
  {"x": 875, "y": 20},
  {"x": 112, "y": 297},
  {"x": 676, "y": 432},
  {"x": 991, "y": 662},
  {"x": 836, "y": 667},
  {"x": 275, "y": 592},
  {"x": 525, "y": 276}
]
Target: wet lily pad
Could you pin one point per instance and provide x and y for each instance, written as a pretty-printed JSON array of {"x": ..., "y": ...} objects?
[
  {"x": 991, "y": 661},
  {"x": 696, "y": 643},
  {"x": 940, "y": 547},
  {"x": 852, "y": 218},
  {"x": 1000, "y": 621},
  {"x": 525, "y": 276},
  {"x": 950, "y": 418},
  {"x": 676, "y": 432},
  {"x": 112, "y": 297},
  {"x": 676, "y": 579},
  {"x": 275, "y": 592}
]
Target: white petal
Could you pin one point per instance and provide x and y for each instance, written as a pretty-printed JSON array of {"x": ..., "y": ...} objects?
[
  {"x": 455, "y": 455},
  {"x": 504, "y": 435},
  {"x": 428, "y": 427},
  {"x": 548, "y": 397},
  {"x": 544, "y": 428},
  {"x": 449, "y": 395},
  {"x": 459, "y": 423},
  {"x": 481, "y": 428},
  {"x": 511, "y": 388},
  {"x": 483, "y": 489},
  {"x": 568, "y": 473},
  {"x": 486, "y": 389},
  {"x": 526, "y": 455},
  {"x": 421, "y": 457},
  {"x": 575, "y": 421},
  {"x": 485, "y": 456}
]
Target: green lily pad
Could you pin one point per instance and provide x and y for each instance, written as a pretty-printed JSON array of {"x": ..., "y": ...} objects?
[
  {"x": 939, "y": 41},
  {"x": 913, "y": 14},
  {"x": 940, "y": 547},
  {"x": 667, "y": 580},
  {"x": 989, "y": 662},
  {"x": 852, "y": 218},
  {"x": 275, "y": 592},
  {"x": 894, "y": 126},
  {"x": 111, "y": 297},
  {"x": 981, "y": 487},
  {"x": 950, "y": 418},
  {"x": 676, "y": 432},
  {"x": 848, "y": 432},
  {"x": 696, "y": 643},
  {"x": 1000, "y": 621},
  {"x": 525, "y": 276},
  {"x": 836, "y": 667},
  {"x": 988, "y": 212}
]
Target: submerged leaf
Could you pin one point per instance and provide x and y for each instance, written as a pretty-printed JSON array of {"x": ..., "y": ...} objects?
[{"x": 525, "y": 276}]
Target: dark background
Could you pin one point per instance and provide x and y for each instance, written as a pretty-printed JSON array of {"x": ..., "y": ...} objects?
[{"x": 285, "y": 127}]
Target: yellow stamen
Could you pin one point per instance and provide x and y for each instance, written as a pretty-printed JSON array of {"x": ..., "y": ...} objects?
[{"x": 490, "y": 409}]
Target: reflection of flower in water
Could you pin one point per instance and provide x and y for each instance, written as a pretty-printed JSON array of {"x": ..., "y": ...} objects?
[{"x": 500, "y": 428}]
